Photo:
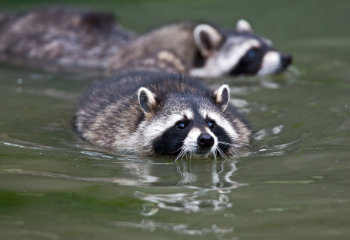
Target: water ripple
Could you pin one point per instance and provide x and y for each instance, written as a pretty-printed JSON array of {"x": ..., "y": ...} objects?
[
  {"x": 177, "y": 228},
  {"x": 25, "y": 145},
  {"x": 121, "y": 181},
  {"x": 193, "y": 197},
  {"x": 96, "y": 154}
]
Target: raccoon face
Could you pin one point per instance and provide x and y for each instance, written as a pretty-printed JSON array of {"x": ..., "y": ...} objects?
[
  {"x": 239, "y": 52},
  {"x": 187, "y": 125}
]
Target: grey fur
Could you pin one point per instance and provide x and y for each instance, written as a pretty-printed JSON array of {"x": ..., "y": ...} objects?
[
  {"x": 111, "y": 115},
  {"x": 67, "y": 38}
]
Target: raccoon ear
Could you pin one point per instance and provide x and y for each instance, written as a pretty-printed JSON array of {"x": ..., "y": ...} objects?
[
  {"x": 243, "y": 26},
  {"x": 222, "y": 96},
  {"x": 147, "y": 100},
  {"x": 207, "y": 38},
  {"x": 267, "y": 41}
]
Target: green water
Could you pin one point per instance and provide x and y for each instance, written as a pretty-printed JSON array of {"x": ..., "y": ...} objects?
[{"x": 295, "y": 185}]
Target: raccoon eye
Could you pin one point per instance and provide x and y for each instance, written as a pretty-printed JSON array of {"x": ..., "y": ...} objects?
[
  {"x": 211, "y": 124},
  {"x": 251, "y": 53},
  {"x": 181, "y": 125}
]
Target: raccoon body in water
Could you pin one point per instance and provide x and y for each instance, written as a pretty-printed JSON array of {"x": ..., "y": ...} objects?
[
  {"x": 73, "y": 39},
  {"x": 161, "y": 113}
]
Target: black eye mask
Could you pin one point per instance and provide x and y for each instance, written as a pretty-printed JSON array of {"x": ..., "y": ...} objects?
[
  {"x": 171, "y": 141},
  {"x": 250, "y": 63}
]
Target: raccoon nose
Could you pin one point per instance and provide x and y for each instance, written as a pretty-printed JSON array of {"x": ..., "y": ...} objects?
[
  {"x": 205, "y": 140},
  {"x": 286, "y": 60}
]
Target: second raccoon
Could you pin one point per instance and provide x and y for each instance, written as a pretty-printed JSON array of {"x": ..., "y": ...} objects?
[{"x": 69, "y": 38}]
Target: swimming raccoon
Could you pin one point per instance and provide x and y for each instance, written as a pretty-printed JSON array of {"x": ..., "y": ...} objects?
[
  {"x": 73, "y": 38},
  {"x": 161, "y": 113},
  {"x": 61, "y": 38}
]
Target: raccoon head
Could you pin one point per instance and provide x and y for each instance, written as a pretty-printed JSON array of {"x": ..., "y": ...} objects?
[
  {"x": 190, "y": 125},
  {"x": 239, "y": 52}
]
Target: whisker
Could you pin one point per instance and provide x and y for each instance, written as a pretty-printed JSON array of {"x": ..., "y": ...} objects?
[
  {"x": 184, "y": 154},
  {"x": 232, "y": 151},
  {"x": 217, "y": 149},
  {"x": 181, "y": 154},
  {"x": 225, "y": 143},
  {"x": 223, "y": 155},
  {"x": 228, "y": 144},
  {"x": 233, "y": 147}
]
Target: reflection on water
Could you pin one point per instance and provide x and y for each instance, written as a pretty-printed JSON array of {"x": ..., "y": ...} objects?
[
  {"x": 183, "y": 229},
  {"x": 199, "y": 190},
  {"x": 196, "y": 190},
  {"x": 195, "y": 186},
  {"x": 201, "y": 186}
]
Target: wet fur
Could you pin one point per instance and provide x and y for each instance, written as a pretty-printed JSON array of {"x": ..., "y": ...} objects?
[
  {"x": 109, "y": 114},
  {"x": 71, "y": 39}
]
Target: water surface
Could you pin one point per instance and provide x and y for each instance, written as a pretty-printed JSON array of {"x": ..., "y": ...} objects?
[{"x": 294, "y": 185}]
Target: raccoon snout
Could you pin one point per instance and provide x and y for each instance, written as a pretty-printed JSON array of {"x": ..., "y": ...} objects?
[
  {"x": 286, "y": 60},
  {"x": 205, "y": 140}
]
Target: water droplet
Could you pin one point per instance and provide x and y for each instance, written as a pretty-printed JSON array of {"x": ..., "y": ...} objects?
[
  {"x": 223, "y": 198},
  {"x": 149, "y": 209},
  {"x": 19, "y": 81},
  {"x": 277, "y": 129}
]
